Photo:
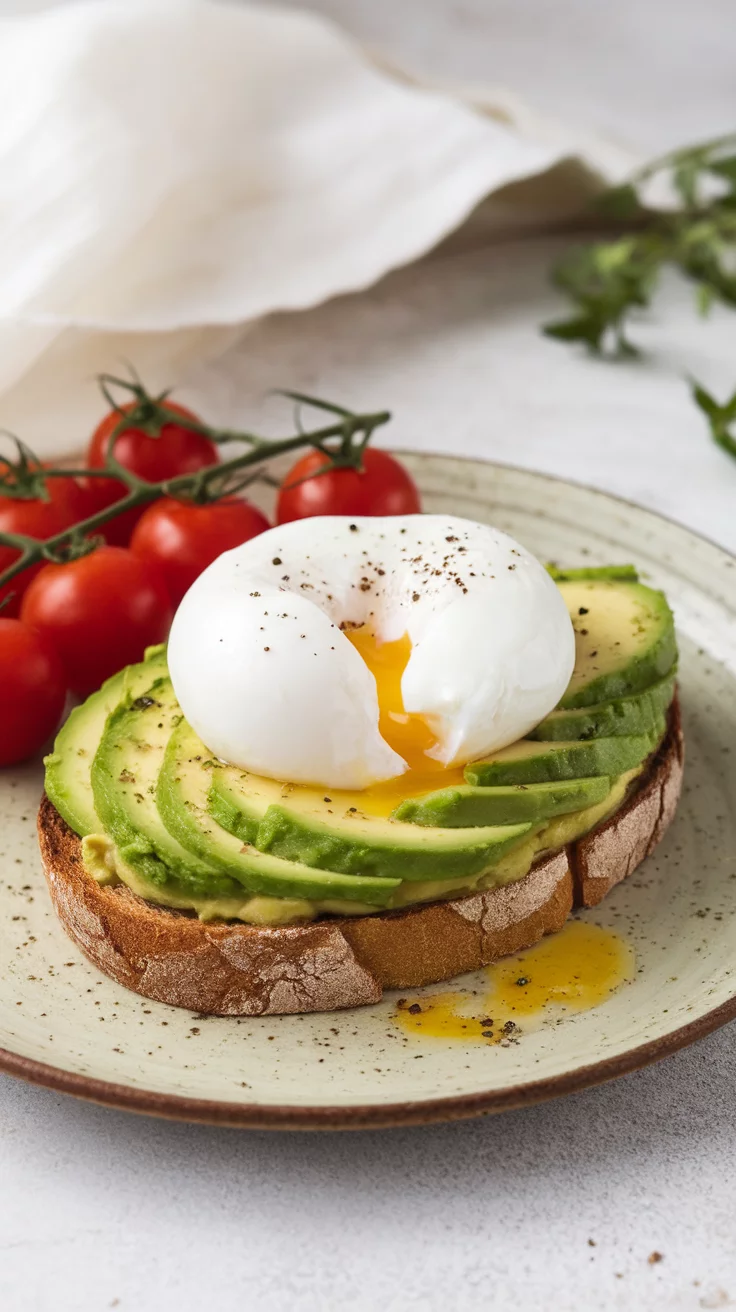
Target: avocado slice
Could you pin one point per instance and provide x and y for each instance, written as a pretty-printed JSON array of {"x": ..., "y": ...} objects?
[
  {"x": 512, "y": 804},
  {"x": 125, "y": 774},
  {"x": 623, "y": 573},
  {"x": 303, "y": 824},
  {"x": 624, "y": 640},
  {"x": 68, "y": 767},
  {"x": 623, "y": 715},
  {"x": 528, "y": 762}
]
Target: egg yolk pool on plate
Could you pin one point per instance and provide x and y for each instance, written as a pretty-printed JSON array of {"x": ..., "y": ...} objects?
[{"x": 572, "y": 971}]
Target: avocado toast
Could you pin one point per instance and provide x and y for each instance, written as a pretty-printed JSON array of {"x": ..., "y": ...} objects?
[{"x": 203, "y": 885}]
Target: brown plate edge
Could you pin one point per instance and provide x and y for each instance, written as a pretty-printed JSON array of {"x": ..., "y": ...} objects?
[{"x": 368, "y": 1117}]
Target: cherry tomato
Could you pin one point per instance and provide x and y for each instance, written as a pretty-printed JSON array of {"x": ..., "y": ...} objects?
[
  {"x": 99, "y": 612},
  {"x": 39, "y": 519},
  {"x": 183, "y": 538},
  {"x": 176, "y": 450},
  {"x": 99, "y": 493},
  {"x": 381, "y": 487},
  {"x": 33, "y": 691}
]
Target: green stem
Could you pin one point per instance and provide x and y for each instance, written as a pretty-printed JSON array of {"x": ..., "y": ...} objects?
[
  {"x": 674, "y": 157},
  {"x": 63, "y": 472},
  {"x": 141, "y": 493}
]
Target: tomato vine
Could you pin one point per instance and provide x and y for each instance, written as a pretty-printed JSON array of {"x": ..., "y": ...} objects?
[{"x": 342, "y": 441}]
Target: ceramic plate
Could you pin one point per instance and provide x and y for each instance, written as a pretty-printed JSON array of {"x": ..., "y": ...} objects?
[{"x": 64, "y": 1025}]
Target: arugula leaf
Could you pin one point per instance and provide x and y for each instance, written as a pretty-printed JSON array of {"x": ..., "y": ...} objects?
[
  {"x": 620, "y": 202},
  {"x": 724, "y": 168},
  {"x": 610, "y": 281},
  {"x": 720, "y": 416},
  {"x": 606, "y": 281}
]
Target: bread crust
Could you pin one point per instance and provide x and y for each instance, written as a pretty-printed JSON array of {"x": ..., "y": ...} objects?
[
  {"x": 248, "y": 970},
  {"x": 610, "y": 853}
]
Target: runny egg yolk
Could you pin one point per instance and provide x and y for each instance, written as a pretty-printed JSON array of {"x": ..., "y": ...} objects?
[{"x": 410, "y": 735}]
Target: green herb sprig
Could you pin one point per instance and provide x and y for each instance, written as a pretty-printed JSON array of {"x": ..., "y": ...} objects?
[
  {"x": 721, "y": 418},
  {"x": 609, "y": 281}
]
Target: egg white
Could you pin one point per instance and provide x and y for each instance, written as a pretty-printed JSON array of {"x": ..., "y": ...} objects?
[{"x": 269, "y": 681}]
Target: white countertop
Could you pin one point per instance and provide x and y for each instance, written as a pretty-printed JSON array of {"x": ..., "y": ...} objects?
[{"x": 100, "y": 1209}]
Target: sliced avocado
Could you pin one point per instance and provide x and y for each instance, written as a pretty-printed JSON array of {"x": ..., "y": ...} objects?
[
  {"x": 559, "y": 831},
  {"x": 68, "y": 783},
  {"x": 620, "y": 573},
  {"x": 124, "y": 777},
  {"x": 465, "y": 805},
  {"x": 623, "y": 715},
  {"x": 303, "y": 824},
  {"x": 182, "y": 794},
  {"x": 124, "y": 773},
  {"x": 624, "y": 640},
  {"x": 533, "y": 763}
]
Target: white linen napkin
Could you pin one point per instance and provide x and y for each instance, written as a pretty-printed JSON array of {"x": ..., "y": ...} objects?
[{"x": 171, "y": 169}]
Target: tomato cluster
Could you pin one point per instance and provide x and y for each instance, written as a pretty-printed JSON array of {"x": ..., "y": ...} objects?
[{"x": 68, "y": 627}]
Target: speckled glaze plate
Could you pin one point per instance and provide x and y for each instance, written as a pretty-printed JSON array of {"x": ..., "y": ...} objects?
[{"x": 64, "y": 1025}]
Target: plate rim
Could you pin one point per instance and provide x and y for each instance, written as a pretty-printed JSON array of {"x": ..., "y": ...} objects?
[
  {"x": 569, "y": 482},
  {"x": 428, "y": 1111},
  {"x": 366, "y": 1116}
]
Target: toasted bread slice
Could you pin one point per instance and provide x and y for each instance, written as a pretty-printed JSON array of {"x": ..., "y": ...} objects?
[{"x": 245, "y": 970}]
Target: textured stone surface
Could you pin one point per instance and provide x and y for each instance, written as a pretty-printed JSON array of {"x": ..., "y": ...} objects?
[{"x": 491, "y": 1214}]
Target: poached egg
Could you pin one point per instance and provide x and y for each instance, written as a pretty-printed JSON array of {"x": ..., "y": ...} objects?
[{"x": 345, "y": 653}]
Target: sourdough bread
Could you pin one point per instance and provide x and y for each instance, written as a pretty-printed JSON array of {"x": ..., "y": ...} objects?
[{"x": 228, "y": 969}]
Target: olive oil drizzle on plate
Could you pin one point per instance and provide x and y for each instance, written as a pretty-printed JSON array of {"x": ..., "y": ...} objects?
[{"x": 572, "y": 971}]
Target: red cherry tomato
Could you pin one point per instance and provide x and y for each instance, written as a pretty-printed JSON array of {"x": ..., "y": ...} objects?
[
  {"x": 381, "y": 487},
  {"x": 33, "y": 691},
  {"x": 183, "y": 538},
  {"x": 39, "y": 519},
  {"x": 176, "y": 450},
  {"x": 99, "y": 612},
  {"x": 99, "y": 493}
]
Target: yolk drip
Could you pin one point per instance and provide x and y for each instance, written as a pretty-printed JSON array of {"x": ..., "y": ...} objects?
[
  {"x": 571, "y": 971},
  {"x": 408, "y": 734}
]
